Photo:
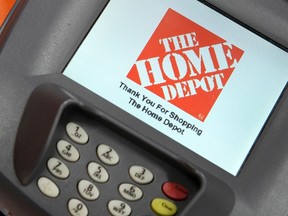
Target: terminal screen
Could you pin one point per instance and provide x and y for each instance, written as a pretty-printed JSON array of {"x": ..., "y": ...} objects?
[{"x": 188, "y": 71}]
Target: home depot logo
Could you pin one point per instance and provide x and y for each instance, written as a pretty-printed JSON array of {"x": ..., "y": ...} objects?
[{"x": 185, "y": 64}]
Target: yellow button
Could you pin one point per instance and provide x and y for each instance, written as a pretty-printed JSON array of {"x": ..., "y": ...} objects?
[{"x": 163, "y": 207}]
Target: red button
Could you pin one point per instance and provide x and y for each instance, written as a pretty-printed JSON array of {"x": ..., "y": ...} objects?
[{"x": 174, "y": 191}]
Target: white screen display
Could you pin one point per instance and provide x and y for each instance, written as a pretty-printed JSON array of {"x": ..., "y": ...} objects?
[{"x": 186, "y": 70}]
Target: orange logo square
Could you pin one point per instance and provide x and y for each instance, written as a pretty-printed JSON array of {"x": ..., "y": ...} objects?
[{"x": 185, "y": 64}]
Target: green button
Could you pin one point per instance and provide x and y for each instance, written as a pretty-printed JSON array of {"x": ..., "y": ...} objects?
[{"x": 163, "y": 207}]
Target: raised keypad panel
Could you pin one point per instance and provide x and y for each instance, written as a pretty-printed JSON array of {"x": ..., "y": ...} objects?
[{"x": 98, "y": 175}]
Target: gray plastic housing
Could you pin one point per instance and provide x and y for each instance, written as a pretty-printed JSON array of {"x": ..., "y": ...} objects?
[
  {"x": 56, "y": 107},
  {"x": 39, "y": 46}
]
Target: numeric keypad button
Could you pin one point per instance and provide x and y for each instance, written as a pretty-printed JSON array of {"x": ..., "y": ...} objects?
[
  {"x": 141, "y": 175},
  {"x": 77, "y": 208},
  {"x": 57, "y": 168},
  {"x": 119, "y": 208},
  {"x": 130, "y": 192},
  {"x": 107, "y": 154},
  {"x": 76, "y": 133},
  {"x": 97, "y": 172},
  {"x": 48, "y": 187},
  {"x": 88, "y": 190},
  {"x": 67, "y": 151}
]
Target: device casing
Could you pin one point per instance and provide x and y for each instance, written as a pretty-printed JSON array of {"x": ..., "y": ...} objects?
[{"x": 39, "y": 46}]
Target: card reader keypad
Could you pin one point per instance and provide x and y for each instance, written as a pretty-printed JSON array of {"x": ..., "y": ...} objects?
[{"x": 98, "y": 172}]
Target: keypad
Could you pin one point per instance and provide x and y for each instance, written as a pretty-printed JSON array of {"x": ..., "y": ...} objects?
[{"x": 98, "y": 174}]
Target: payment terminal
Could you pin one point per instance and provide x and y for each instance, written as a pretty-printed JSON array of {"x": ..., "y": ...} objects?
[{"x": 143, "y": 108}]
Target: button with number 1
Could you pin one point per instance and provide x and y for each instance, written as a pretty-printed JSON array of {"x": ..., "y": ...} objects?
[{"x": 77, "y": 133}]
